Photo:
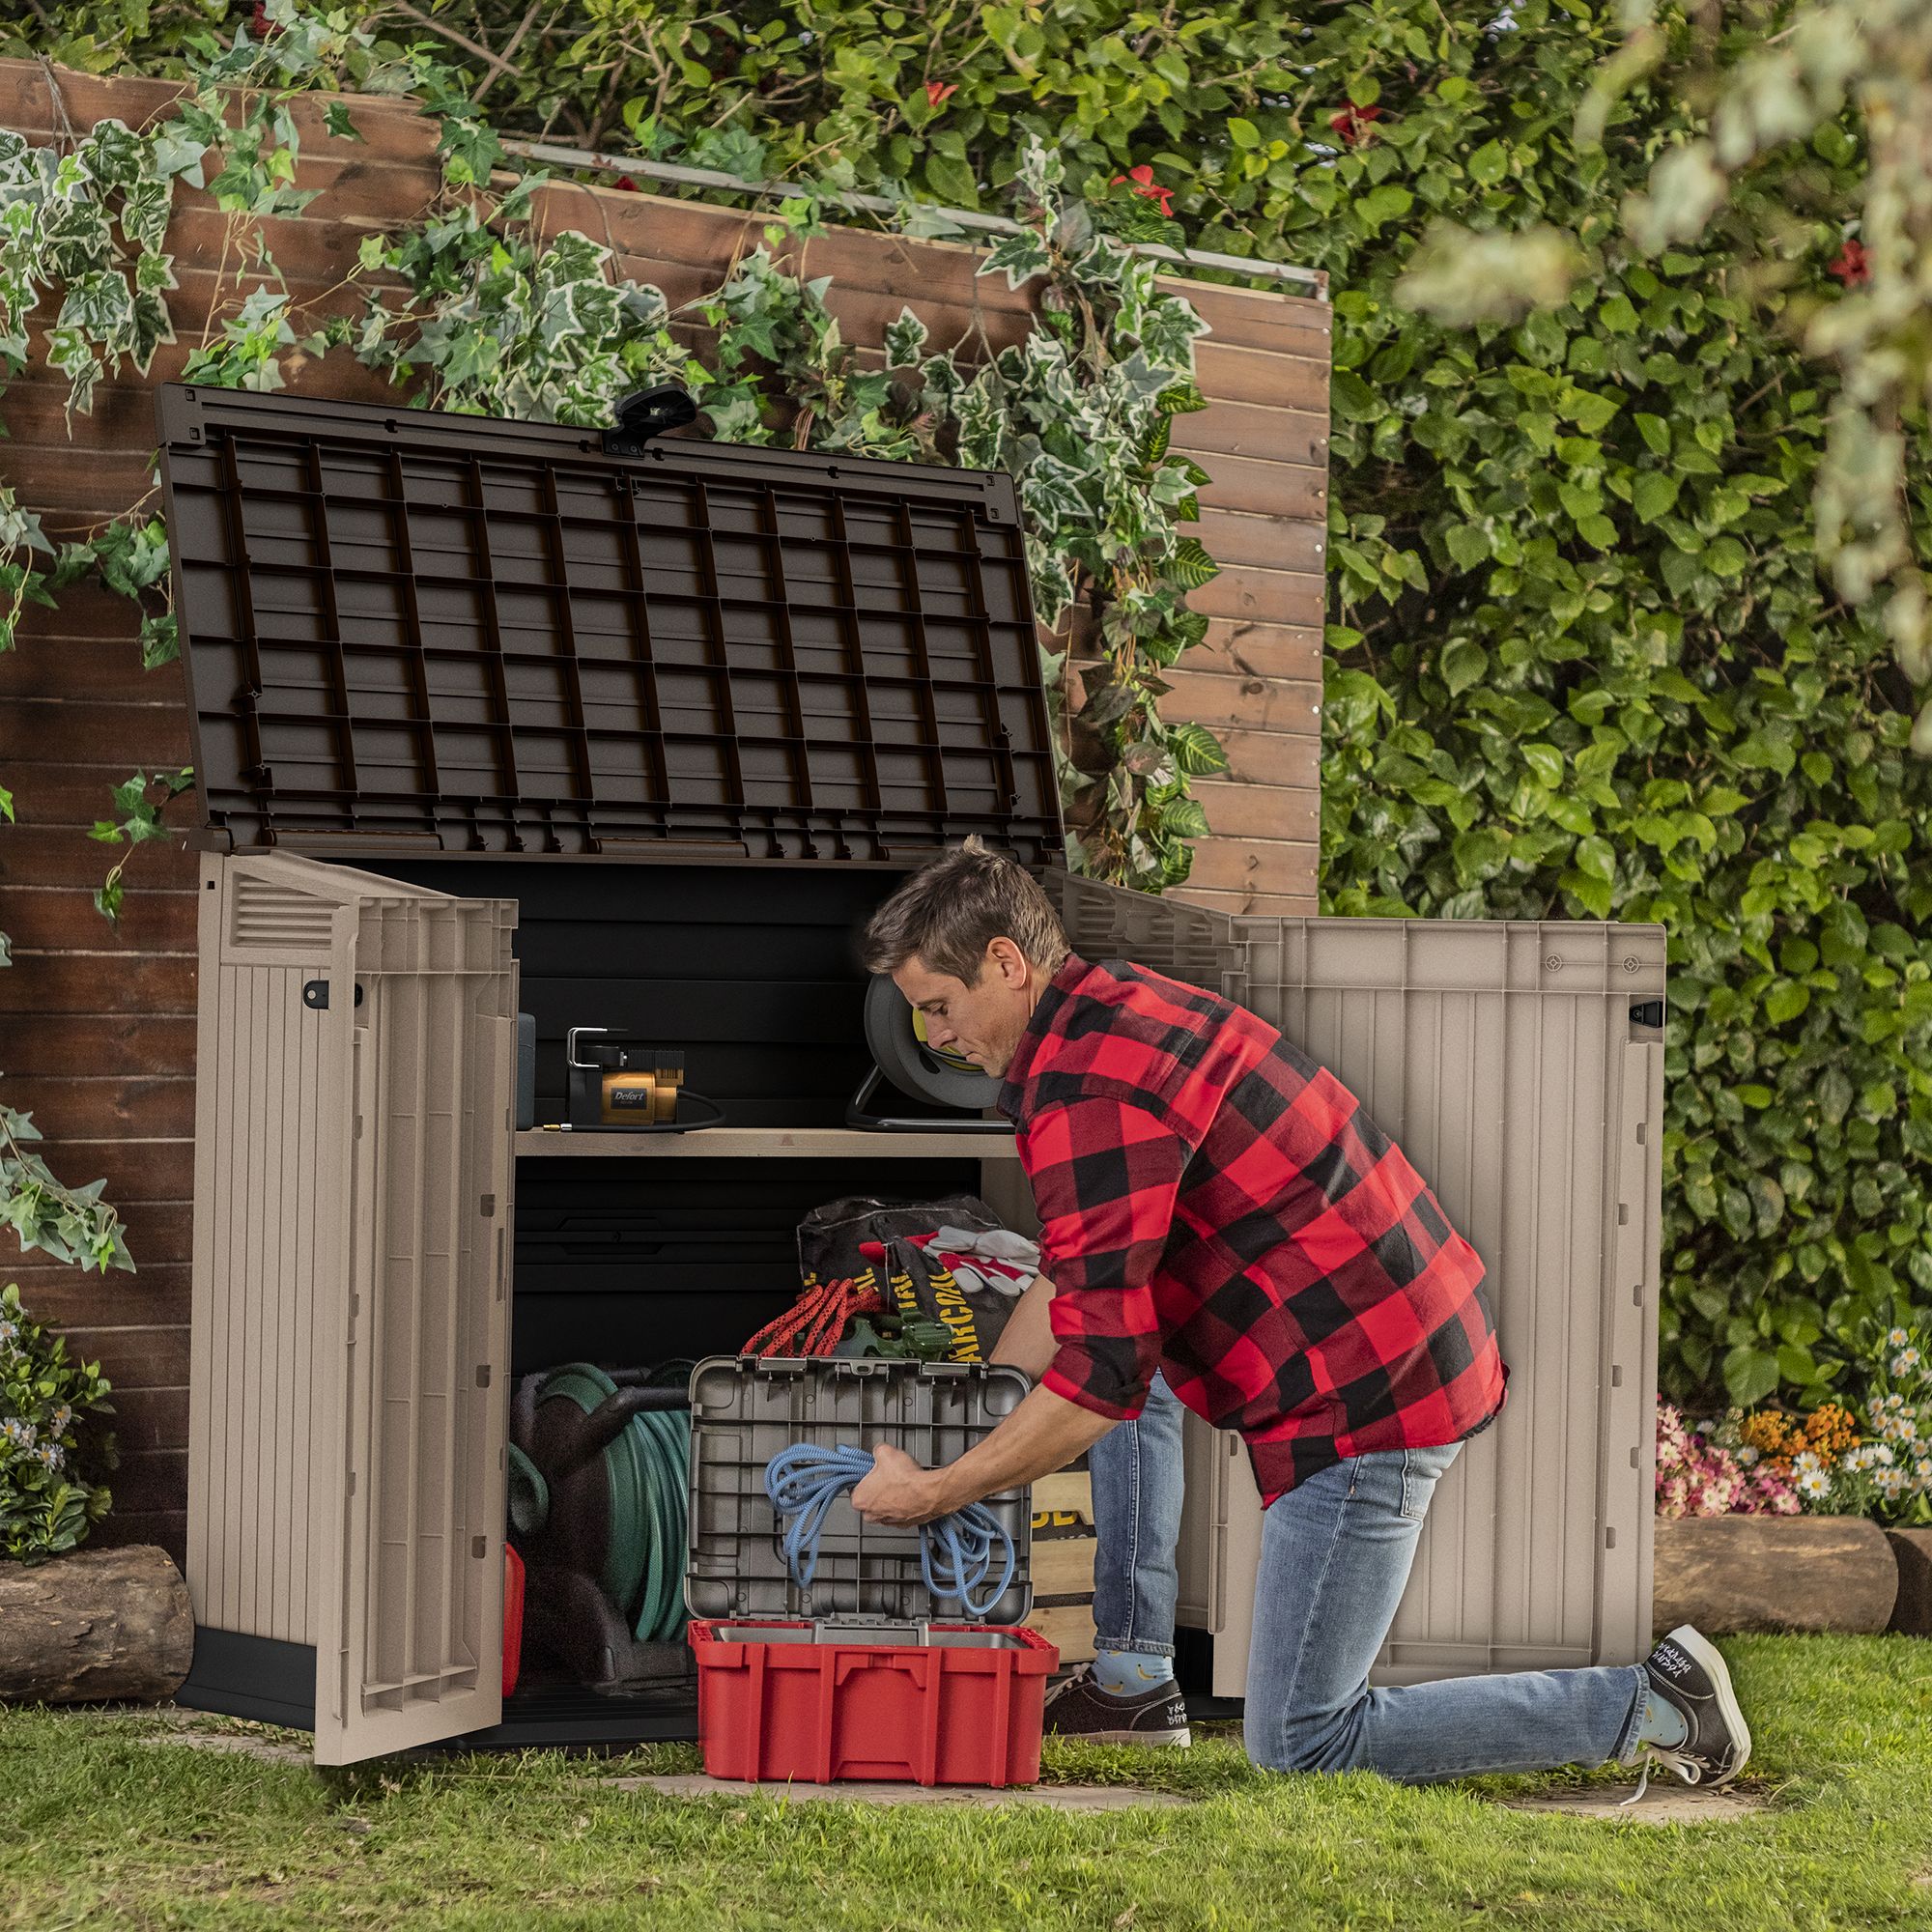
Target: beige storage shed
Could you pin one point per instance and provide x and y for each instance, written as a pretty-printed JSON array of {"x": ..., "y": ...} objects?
[{"x": 492, "y": 718}]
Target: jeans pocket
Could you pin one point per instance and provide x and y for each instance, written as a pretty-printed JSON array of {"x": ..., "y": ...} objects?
[{"x": 1417, "y": 1484}]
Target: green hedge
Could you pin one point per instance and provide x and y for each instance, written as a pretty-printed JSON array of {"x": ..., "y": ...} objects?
[{"x": 1582, "y": 664}]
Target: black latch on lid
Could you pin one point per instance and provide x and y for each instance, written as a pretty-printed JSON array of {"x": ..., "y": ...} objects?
[{"x": 647, "y": 412}]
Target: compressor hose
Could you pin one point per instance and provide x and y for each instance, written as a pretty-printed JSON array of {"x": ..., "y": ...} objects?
[{"x": 955, "y": 1553}]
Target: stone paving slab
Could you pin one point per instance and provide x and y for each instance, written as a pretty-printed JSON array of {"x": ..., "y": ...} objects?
[
  {"x": 1054, "y": 1797},
  {"x": 1661, "y": 1805}
]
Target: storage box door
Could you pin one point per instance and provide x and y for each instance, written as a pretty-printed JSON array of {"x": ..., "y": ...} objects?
[
  {"x": 409, "y": 1491},
  {"x": 1507, "y": 1059}
]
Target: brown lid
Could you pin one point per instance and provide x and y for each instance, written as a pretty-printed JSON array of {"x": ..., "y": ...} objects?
[{"x": 444, "y": 633}]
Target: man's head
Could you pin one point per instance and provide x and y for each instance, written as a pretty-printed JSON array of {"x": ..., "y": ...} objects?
[{"x": 972, "y": 942}]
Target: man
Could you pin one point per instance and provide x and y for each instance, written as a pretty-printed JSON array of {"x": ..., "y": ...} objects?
[{"x": 1215, "y": 1208}]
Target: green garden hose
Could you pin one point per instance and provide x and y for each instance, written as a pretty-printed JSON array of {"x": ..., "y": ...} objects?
[{"x": 648, "y": 1468}]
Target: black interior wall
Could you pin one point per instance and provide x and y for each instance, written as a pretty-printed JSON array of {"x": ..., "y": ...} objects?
[
  {"x": 632, "y": 1263},
  {"x": 751, "y": 970}
]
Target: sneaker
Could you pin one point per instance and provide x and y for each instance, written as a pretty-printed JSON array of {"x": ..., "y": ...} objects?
[
  {"x": 1078, "y": 1708},
  {"x": 1686, "y": 1670}
]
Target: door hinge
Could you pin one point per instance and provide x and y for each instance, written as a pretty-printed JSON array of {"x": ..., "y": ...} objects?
[
  {"x": 1647, "y": 1013},
  {"x": 315, "y": 994}
]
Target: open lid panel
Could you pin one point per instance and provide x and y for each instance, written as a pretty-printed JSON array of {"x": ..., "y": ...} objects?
[
  {"x": 411, "y": 630},
  {"x": 744, "y": 1410}
]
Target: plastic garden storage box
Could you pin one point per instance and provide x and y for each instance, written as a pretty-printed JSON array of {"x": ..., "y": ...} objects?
[
  {"x": 487, "y": 719},
  {"x": 860, "y": 1676}
]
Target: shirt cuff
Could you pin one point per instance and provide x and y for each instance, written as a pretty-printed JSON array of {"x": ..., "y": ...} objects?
[{"x": 1068, "y": 1390}]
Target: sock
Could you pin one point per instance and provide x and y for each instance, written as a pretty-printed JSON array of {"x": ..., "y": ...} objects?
[
  {"x": 1662, "y": 1722},
  {"x": 1126, "y": 1673}
]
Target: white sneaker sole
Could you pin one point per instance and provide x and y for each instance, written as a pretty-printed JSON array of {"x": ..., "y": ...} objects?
[{"x": 1706, "y": 1653}]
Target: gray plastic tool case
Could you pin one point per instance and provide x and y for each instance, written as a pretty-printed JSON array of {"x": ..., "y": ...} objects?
[{"x": 867, "y": 1587}]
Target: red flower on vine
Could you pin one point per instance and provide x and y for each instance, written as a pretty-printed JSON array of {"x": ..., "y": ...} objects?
[
  {"x": 1148, "y": 189},
  {"x": 939, "y": 92},
  {"x": 1852, "y": 268},
  {"x": 627, "y": 185},
  {"x": 264, "y": 28},
  {"x": 1353, "y": 123}
]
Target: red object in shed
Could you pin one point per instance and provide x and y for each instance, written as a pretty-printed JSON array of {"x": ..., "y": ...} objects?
[{"x": 788, "y": 1701}]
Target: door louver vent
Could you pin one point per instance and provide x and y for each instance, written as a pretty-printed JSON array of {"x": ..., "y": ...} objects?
[{"x": 262, "y": 913}]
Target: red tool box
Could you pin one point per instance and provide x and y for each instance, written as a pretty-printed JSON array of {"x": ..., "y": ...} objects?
[{"x": 863, "y": 1675}]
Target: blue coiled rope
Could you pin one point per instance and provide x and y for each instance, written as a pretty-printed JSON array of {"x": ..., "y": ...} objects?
[{"x": 955, "y": 1553}]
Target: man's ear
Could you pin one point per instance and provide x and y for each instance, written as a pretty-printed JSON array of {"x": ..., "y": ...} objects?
[{"x": 1010, "y": 962}]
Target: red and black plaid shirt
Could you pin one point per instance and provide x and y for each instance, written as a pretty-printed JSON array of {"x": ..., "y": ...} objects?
[{"x": 1214, "y": 1204}]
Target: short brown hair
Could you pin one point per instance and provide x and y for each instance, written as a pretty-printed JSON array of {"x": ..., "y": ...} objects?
[{"x": 950, "y": 911}]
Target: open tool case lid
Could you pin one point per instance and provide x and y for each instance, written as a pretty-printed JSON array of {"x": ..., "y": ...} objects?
[
  {"x": 744, "y": 1410},
  {"x": 413, "y": 632}
]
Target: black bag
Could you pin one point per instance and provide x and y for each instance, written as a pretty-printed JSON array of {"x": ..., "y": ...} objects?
[{"x": 831, "y": 1247}]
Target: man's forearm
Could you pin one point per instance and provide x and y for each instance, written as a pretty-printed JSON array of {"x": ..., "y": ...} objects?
[
  {"x": 1045, "y": 1432},
  {"x": 1027, "y": 1339}
]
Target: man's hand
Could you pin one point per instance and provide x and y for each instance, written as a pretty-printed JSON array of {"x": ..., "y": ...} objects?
[
  {"x": 898, "y": 1491},
  {"x": 1044, "y": 1433}
]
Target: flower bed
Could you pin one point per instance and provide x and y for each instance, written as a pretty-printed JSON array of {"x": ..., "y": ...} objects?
[
  {"x": 1869, "y": 1458},
  {"x": 1771, "y": 1520}
]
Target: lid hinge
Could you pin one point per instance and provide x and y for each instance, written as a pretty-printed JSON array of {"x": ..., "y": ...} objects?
[
  {"x": 647, "y": 412},
  {"x": 315, "y": 994}
]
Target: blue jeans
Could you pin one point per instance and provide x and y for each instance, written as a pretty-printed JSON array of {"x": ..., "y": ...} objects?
[{"x": 1336, "y": 1552}]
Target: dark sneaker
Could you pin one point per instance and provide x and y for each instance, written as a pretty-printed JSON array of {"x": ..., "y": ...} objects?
[
  {"x": 1686, "y": 1670},
  {"x": 1079, "y": 1708}
]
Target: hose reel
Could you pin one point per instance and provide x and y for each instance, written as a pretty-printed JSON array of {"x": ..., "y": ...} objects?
[{"x": 904, "y": 1058}]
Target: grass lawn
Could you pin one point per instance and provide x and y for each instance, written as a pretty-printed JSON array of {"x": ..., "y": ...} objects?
[{"x": 101, "y": 1827}]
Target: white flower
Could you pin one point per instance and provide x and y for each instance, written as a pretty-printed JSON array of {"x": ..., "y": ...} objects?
[
  {"x": 1905, "y": 1361},
  {"x": 1807, "y": 1462},
  {"x": 49, "y": 1456},
  {"x": 1746, "y": 1455},
  {"x": 1894, "y": 1401},
  {"x": 1883, "y": 1454},
  {"x": 1897, "y": 1338},
  {"x": 10, "y": 1333},
  {"x": 1853, "y": 1459},
  {"x": 20, "y": 1433},
  {"x": 1907, "y": 1429},
  {"x": 1922, "y": 1468},
  {"x": 1890, "y": 1482},
  {"x": 1814, "y": 1483}
]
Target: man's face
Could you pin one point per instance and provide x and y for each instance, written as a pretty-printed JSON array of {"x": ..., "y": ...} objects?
[{"x": 984, "y": 1021}]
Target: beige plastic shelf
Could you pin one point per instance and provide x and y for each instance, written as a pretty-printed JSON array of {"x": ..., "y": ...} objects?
[{"x": 796, "y": 1143}]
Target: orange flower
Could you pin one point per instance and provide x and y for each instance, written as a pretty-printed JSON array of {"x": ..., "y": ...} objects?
[{"x": 938, "y": 93}]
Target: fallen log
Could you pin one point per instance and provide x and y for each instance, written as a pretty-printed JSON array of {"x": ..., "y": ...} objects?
[
  {"x": 1773, "y": 1573},
  {"x": 98, "y": 1625}
]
